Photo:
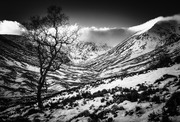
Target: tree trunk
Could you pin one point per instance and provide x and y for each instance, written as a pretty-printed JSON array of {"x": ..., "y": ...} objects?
[
  {"x": 40, "y": 85},
  {"x": 39, "y": 99}
]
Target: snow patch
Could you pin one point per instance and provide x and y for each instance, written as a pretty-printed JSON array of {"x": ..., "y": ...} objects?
[{"x": 149, "y": 77}]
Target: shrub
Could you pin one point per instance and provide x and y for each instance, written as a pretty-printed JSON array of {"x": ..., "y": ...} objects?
[
  {"x": 115, "y": 115},
  {"x": 144, "y": 96},
  {"x": 94, "y": 117},
  {"x": 119, "y": 98},
  {"x": 130, "y": 113},
  {"x": 142, "y": 87},
  {"x": 110, "y": 119},
  {"x": 173, "y": 103},
  {"x": 109, "y": 102},
  {"x": 177, "y": 59},
  {"x": 126, "y": 90},
  {"x": 156, "y": 99},
  {"x": 85, "y": 113},
  {"x": 102, "y": 100},
  {"x": 154, "y": 117},
  {"x": 133, "y": 96},
  {"x": 102, "y": 114},
  {"x": 137, "y": 108},
  {"x": 84, "y": 102},
  {"x": 139, "y": 111},
  {"x": 115, "y": 108},
  {"x": 86, "y": 95},
  {"x": 164, "y": 61},
  {"x": 165, "y": 117},
  {"x": 98, "y": 94}
]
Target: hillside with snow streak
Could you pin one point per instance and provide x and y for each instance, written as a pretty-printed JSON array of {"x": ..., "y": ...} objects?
[{"x": 144, "y": 98}]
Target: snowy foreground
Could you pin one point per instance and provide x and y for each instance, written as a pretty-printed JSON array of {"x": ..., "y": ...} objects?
[{"x": 144, "y": 97}]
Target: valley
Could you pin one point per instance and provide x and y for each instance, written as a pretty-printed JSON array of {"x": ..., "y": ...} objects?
[{"x": 137, "y": 80}]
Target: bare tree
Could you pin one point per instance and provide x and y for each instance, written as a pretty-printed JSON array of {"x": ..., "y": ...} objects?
[{"x": 50, "y": 35}]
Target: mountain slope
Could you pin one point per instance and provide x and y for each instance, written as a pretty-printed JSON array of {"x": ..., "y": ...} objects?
[
  {"x": 81, "y": 51},
  {"x": 19, "y": 70},
  {"x": 140, "y": 51}
]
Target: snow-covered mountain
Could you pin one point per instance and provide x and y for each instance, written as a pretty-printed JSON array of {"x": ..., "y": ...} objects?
[
  {"x": 83, "y": 51},
  {"x": 137, "y": 80},
  {"x": 143, "y": 49}
]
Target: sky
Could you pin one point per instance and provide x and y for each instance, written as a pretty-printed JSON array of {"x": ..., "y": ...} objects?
[
  {"x": 102, "y": 21},
  {"x": 88, "y": 13}
]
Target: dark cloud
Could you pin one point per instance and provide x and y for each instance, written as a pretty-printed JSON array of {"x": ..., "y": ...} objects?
[
  {"x": 110, "y": 36},
  {"x": 99, "y": 13}
]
